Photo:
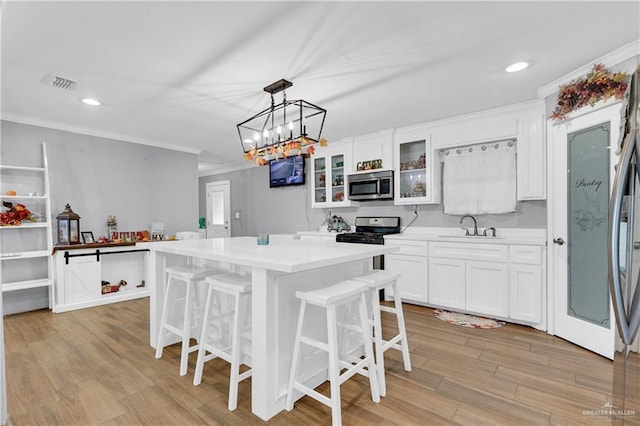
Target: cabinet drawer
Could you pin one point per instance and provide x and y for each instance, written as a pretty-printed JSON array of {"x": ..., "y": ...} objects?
[
  {"x": 409, "y": 247},
  {"x": 469, "y": 251},
  {"x": 530, "y": 255}
]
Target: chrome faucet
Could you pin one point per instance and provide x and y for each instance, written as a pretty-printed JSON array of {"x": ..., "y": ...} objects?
[
  {"x": 493, "y": 230},
  {"x": 475, "y": 225}
]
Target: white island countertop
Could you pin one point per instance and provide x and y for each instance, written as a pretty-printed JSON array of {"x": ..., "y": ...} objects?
[{"x": 281, "y": 254}]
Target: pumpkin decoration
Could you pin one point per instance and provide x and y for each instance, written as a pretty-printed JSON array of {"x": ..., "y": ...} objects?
[{"x": 11, "y": 192}]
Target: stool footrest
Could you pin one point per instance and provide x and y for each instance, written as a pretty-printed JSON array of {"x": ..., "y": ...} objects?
[
  {"x": 312, "y": 393},
  {"x": 315, "y": 343},
  {"x": 393, "y": 343},
  {"x": 389, "y": 309},
  {"x": 353, "y": 369}
]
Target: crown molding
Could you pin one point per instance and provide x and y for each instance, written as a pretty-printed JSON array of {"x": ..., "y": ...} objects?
[
  {"x": 619, "y": 55},
  {"x": 56, "y": 125},
  {"x": 224, "y": 169}
]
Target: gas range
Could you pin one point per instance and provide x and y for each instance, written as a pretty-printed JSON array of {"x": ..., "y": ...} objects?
[{"x": 371, "y": 230}]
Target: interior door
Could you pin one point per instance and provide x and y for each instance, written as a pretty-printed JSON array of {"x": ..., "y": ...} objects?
[
  {"x": 218, "y": 209},
  {"x": 582, "y": 166}
]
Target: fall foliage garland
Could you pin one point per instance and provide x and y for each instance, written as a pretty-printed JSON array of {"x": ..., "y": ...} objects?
[{"x": 598, "y": 84}]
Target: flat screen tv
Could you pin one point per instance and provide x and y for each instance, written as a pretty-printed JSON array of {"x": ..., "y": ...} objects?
[{"x": 286, "y": 171}]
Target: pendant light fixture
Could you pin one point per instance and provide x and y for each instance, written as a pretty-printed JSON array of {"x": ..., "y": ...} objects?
[{"x": 283, "y": 130}]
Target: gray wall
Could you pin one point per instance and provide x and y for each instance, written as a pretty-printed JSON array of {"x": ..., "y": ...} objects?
[
  {"x": 139, "y": 184},
  {"x": 287, "y": 210}
]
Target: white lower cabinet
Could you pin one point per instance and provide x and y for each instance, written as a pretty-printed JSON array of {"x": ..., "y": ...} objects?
[
  {"x": 475, "y": 286},
  {"x": 447, "y": 282},
  {"x": 412, "y": 263},
  {"x": 486, "y": 289},
  {"x": 413, "y": 281},
  {"x": 526, "y": 289},
  {"x": 81, "y": 277},
  {"x": 79, "y": 273},
  {"x": 496, "y": 280},
  {"x": 525, "y": 295}
]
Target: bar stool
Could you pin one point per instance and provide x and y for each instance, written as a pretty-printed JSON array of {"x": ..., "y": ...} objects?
[
  {"x": 238, "y": 287},
  {"x": 188, "y": 275},
  {"x": 330, "y": 298},
  {"x": 379, "y": 280}
]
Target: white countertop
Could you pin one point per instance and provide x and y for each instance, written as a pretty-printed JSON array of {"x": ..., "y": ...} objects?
[
  {"x": 532, "y": 236},
  {"x": 524, "y": 236},
  {"x": 282, "y": 254}
]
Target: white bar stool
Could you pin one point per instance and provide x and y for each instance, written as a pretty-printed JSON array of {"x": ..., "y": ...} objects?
[
  {"x": 189, "y": 275},
  {"x": 379, "y": 280},
  {"x": 330, "y": 298},
  {"x": 239, "y": 288}
]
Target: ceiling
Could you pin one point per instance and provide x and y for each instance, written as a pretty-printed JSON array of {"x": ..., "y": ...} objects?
[{"x": 183, "y": 74}]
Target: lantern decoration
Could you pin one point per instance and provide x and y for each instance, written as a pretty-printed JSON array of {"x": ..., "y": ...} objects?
[{"x": 68, "y": 226}]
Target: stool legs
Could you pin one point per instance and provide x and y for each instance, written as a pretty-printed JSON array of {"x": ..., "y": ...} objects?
[
  {"x": 336, "y": 378},
  {"x": 295, "y": 359},
  {"x": 236, "y": 357},
  {"x": 399, "y": 342},
  {"x": 334, "y": 366},
  {"x": 368, "y": 349},
  {"x": 401, "y": 327},
  {"x": 236, "y": 354},
  {"x": 185, "y": 333},
  {"x": 204, "y": 332},
  {"x": 186, "y": 336},
  {"x": 377, "y": 338}
]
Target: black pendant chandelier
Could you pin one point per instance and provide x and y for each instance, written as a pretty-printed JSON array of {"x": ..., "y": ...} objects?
[{"x": 282, "y": 130}]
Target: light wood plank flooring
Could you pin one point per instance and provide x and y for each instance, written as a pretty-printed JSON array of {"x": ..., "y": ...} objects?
[{"x": 95, "y": 367}]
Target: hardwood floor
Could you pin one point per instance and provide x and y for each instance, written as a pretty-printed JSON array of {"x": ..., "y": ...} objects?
[{"x": 95, "y": 366}]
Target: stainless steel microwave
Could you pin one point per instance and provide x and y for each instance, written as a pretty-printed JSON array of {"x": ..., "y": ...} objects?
[{"x": 371, "y": 186}]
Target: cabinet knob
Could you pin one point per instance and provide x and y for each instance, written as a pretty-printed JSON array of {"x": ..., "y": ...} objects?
[{"x": 558, "y": 241}]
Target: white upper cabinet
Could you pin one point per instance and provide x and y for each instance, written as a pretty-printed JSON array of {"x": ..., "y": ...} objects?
[
  {"x": 329, "y": 169},
  {"x": 417, "y": 169},
  {"x": 531, "y": 160},
  {"x": 373, "y": 147},
  {"x": 523, "y": 123}
]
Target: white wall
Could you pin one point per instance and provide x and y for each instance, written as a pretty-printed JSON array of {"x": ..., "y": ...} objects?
[{"x": 139, "y": 184}]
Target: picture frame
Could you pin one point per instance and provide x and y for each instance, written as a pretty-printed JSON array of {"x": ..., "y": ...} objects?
[{"x": 87, "y": 237}]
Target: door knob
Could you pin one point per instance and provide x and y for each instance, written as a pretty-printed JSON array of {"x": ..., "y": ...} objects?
[{"x": 558, "y": 241}]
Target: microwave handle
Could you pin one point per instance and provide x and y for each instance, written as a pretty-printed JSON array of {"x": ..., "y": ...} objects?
[{"x": 378, "y": 187}]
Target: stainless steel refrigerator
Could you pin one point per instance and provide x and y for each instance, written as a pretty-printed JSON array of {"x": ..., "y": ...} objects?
[{"x": 624, "y": 260}]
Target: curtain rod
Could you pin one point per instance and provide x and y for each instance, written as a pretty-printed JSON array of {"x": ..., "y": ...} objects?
[{"x": 483, "y": 146}]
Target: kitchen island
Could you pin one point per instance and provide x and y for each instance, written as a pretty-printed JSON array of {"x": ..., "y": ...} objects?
[{"x": 278, "y": 270}]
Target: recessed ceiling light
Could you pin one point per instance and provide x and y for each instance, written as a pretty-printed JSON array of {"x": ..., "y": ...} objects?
[
  {"x": 91, "y": 102},
  {"x": 518, "y": 66}
]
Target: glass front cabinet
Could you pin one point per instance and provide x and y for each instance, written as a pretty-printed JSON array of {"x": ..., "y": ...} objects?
[
  {"x": 329, "y": 169},
  {"x": 417, "y": 179}
]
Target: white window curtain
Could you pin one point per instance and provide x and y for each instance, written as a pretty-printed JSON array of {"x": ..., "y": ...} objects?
[{"x": 480, "y": 179}]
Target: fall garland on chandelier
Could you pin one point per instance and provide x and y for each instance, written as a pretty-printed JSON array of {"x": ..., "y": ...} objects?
[
  {"x": 598, "y": 84},
  {"x": 283, "y": 150}
]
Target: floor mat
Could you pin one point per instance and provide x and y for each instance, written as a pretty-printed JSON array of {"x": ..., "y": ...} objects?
[{"x": 466, "y": 320}]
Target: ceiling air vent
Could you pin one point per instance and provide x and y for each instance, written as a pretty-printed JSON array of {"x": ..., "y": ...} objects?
[{"x": 62, "y": 83}]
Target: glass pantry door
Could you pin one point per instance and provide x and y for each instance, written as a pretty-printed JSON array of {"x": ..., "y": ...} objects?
[{"x": 582, "y": 169}]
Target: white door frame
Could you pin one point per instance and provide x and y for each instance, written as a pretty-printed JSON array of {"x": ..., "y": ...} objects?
[
  {"x": 585, "y": 334},
  {"x": 225, "y": 186}
]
